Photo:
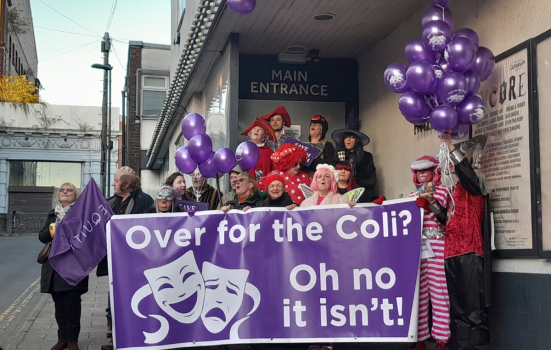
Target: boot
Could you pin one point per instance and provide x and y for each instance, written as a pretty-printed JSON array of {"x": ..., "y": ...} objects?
[
  {"x": 73, "y": 345},
  {"x": 109, "y": 333},
  {"x": 60, "y": 345},
  {"x": 420, "y": 345},
  {"x": 440, "y": 345},
  {"x": 108, "y": 346}
]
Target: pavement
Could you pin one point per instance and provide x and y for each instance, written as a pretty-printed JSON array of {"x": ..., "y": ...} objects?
[{"x": 39, "y": 330}]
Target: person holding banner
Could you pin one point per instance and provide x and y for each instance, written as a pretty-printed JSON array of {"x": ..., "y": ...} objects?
[
  {"x": 246, "y": 194},
  {"x": 324, "y": 186},
  {"x": 178, "y": 183},
  {"x": 288, "y": 160},
  {"x": 277, "y": 196},
  {"x": 67, "y": 298},
  {"x": 433, "y": 200},
  {"x": 202, "y": 191}
]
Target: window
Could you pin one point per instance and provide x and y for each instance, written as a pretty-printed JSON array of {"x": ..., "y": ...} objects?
[
  {"x": 25, "y": 173},
  {"x": 153, "y": 95}
]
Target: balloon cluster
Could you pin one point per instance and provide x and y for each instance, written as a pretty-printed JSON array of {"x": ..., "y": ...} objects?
[
  {"x": 446, "y": 68},
  {"x": 199, "y": 151}
]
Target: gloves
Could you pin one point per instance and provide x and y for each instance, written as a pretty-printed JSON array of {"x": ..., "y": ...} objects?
[
  {"x": 423, "y": 203},
  {"x": 379, "y": 200}
]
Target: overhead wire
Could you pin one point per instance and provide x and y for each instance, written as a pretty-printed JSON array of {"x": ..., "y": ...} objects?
[
  {"x": 80, "y": 46},
  {"x": 111, "y": 15},
  {"x": 73, "y": 61},
  {"x": 78, "y": 24},
  {"x": 63, "y": 31},
  {"x": 118, "y": 58}
]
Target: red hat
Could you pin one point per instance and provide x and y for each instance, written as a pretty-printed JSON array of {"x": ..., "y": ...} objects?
[
  {"x": 426, "y": 162},
  {"x": 264, "y": 125},
  {"x": 286, "y": 155},
  {"x": 271, "y": 177},
  {"x": 282, "y": 112}
]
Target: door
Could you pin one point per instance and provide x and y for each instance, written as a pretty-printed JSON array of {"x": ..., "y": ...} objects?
[{"x": 28, "y": 207}]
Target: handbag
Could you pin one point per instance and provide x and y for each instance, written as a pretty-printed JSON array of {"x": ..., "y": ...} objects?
[{"x": 44, "y": 253}]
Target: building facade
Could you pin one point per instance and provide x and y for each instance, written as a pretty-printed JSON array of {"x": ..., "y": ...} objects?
[
  {"x": 42, "y": 148},
  {"x": 231, "y": 68}
]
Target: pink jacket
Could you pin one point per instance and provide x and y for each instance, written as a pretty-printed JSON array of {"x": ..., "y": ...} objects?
[{"x": 331, "y": 198}]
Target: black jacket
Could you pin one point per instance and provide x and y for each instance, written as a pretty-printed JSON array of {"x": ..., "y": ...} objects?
[
  {"x": 328, "y": 156},
  {"x": 139, "y": 203},
  {"x": 365, "y": 176},
  {"x": 253, "y": 201},
  {"x": 50, "y": 280},
  {"x": 281, "y": 202}
]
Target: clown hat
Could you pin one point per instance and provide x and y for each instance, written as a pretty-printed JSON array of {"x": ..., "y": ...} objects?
[
  {"x": 282, "y": 112},
  {"x": 352, "y": 127},
  {"x": 264, "y": 125},
  {"x": 288, "y": 154}
]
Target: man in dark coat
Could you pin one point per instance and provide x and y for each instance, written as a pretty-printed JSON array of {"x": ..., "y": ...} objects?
[{"x": 128, "y": 199}]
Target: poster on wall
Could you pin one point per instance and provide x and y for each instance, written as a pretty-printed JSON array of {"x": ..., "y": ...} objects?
[{"x": 507, "y": 166}]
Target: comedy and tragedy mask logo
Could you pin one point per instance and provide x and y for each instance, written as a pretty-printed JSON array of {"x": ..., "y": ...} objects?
[{"x": 186, "y": 294}]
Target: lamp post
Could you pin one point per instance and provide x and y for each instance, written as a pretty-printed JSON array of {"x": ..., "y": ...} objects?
[{"x": 109, "y": 68}]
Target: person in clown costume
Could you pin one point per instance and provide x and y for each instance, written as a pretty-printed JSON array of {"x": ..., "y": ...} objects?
[{"x": 432, "y": 285}]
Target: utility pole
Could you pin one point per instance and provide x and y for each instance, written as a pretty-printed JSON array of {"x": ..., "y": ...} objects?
[{"x": 105, "y": 147}]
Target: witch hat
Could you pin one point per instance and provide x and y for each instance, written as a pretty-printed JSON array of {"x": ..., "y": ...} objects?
[{"x": 353, "y": 127}]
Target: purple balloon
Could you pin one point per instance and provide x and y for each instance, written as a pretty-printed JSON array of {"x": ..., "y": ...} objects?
[
  {"x": 436, "y": 35},
  {"x": 471, "y": 110},
  {"x": 242, "y": 7},
  {"x": 469, "y": 34},
  {"x": 452, "y": 89},
  {"x": 441, "y": 3},
  {"x": 184, "y": 161},
  {"x": 200, "y": 147},
  {"x": 193, "y": 124},
  {"x": 473, "y": 82},
  {"x": 415, "y": 51},
  {"x": 432, "y": 101},
  {"x": 413, "y": 106},
  {"x": 438, "y": 76},
  {"x": 420, "y": 76},
  {"x": 437, "y": 13},
  {"x": 443, "y": 118},
  {"x": 247, "y": 155},
  {"x": 224, "y": 160},
  {"x": 460, "y": 54},
  {"x": 460, "y": 131},
  {"x": 484, "y": 63},
  {"x": 207, "y": 168},
  {"x": 395, "y": 77}
]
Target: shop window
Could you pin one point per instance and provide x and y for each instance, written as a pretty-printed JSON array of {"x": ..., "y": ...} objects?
[
  {"x": 153, "y": 95},
  {"x": 28, "y": 173}
]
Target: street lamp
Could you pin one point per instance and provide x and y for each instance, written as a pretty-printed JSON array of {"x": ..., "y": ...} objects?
[{"x": 107, "y": 67}]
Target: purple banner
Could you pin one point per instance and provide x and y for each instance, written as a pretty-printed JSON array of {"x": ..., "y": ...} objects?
[
  {"x": 331, "y": 273},
  {"x": 186, "y": 206},
  {"x": 79, "y": 243},
  {"x": 311, "y": 151}
]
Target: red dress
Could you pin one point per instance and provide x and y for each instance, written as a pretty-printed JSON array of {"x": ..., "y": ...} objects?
[
  {"x": 464, "y": 228},
  {"x": 264, "y": 163},
  {"x": 292, "y": 182}
]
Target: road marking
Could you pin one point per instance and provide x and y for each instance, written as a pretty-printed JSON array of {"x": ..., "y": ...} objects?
[{"x": 18, "y": 305}]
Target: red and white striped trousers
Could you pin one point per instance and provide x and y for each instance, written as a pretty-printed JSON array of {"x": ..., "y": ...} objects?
[{"x": 433, "y": 286}]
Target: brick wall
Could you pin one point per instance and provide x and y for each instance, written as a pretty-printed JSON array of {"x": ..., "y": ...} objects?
[{"x": 133, "y": 151}]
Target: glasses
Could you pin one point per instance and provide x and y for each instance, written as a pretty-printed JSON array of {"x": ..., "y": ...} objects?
[
  {"x": 240, "y": 180},
  {"x": 298, "y": 165},
  {"x": 69, "y": 190}
]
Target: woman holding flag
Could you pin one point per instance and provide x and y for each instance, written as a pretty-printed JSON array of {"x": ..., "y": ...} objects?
[{"x": 66, "y": 297}]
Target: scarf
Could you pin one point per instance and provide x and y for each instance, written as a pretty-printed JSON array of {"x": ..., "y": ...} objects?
[{"x": 60, "y": 211}]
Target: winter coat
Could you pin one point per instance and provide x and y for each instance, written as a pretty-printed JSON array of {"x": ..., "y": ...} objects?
[
  {"x": 210, "y": 196},
  {"x": 331, "y": 198},
  {"x": 253, "y": 201},
  {"x": 280, "y": 202},
  {"x": 139, "y": 203},
  {"x": 365, "y": 176},
  {"x": 227, "y": 197},
  {"x": 50, "y": 280}
]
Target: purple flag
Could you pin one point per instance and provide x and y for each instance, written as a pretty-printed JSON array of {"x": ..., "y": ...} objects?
[
  {"x": 311, "y": 151},
  {"x": 79, "y": 243}
]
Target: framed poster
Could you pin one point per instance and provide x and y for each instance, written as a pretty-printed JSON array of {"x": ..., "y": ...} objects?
[
  {"x": 541, "y": 48},
  {"x": 509, "y": 168}
]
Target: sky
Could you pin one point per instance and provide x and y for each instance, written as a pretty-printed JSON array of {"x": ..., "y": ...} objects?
[{"x": 71, "y": 44}]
